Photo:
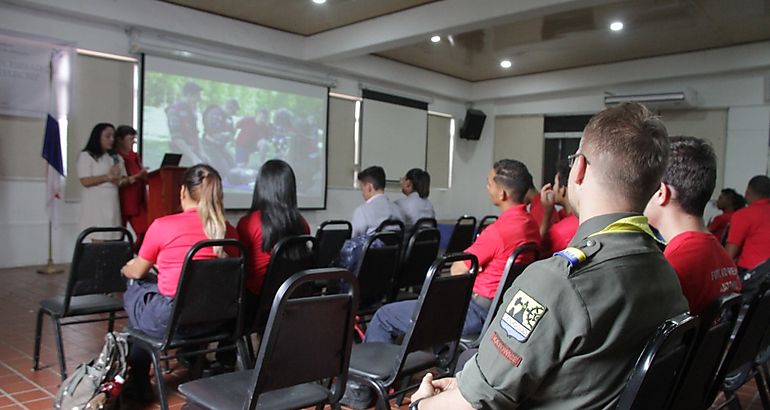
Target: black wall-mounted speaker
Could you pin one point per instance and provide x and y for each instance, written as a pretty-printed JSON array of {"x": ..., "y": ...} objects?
[{"x": 473, "y": 124}]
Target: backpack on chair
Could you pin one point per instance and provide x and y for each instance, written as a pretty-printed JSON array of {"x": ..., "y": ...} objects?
[{"x": 96, "y": 384}]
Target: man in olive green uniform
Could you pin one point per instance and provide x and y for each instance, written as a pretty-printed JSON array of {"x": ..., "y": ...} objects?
[{"x": 571, "y": 327}]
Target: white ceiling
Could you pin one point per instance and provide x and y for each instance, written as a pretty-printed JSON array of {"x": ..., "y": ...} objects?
[{"x": 536, "y": 36}]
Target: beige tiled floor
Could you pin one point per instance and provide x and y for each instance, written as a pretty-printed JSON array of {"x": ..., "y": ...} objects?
[{"x": 22, "y": 388}]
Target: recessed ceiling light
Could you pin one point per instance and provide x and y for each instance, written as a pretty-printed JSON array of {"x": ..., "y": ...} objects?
[
  {"x": 435, "y": 39},
  {"x": 616, "y": 26},
  {"x": 319, "y": 1},
  {"x": 506, "y": 63}
]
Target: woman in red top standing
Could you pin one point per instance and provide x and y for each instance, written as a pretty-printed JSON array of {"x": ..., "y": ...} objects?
[
  {"x": 273, "y": 216},
  {"x": 133, "y": 204}
]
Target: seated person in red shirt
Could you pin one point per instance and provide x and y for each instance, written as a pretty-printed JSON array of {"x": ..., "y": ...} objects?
[
  {"x": 507, "y": 184},
  {"x": 166, "y": 244},
  {"x": 556, "y": 236},
  {"x": 273, "y": 216},
  {"x": 728, "y": 202},
  {"x": 535, "y": 206},
  {"x": 748, "y": 240},
  {"x": 705, "y": 270}
]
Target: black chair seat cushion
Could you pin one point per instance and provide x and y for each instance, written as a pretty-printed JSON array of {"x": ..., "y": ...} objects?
[
  {"x": 231, "y": 391},
  {"x": 82, "y": 305},
  {"x": 378, "y": 360},
  {"x": 157, "y": 342}
]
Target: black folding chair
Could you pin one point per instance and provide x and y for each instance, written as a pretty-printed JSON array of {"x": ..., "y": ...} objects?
[
  {"x": 303, "y": 358},
  {"x": 392, "y": 225},
  {"x": 717, "y": 324},
  {"x": 377, "y": 268},
  {"x": 660, "y": 365},
  {"x": 436, "y": 323},
  {"x": 485, "y": 221},
  {"x": 207, "y": 308},
  {"x": 739, "y": 363},
  {"x": 511, "y": 272},
  {"x": 462, "y": 235},
  {"x": 331, "y": 235},
  {"x": 425, "y": 223},
  {"x": 421, "y": 250},
  {"x": 94, "y": 275}
]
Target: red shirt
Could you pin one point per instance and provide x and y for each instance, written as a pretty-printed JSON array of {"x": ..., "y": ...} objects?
[
  {"x": 704, "y": 268},
  {"x": 560, "y": 234},
  {"x": 497, "y": 242},
  {"x": 167, "y": 242},
  {"x": 537, "y": 211},
  {"x": 132, "y": 195},
  {"x": 750, "y": 230},
  {"x": 719, "y": 224},
  {"x": 250, "y": 232}
]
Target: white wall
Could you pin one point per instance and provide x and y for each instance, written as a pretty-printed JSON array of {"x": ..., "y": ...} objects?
[{"x": 725, "y": 78}]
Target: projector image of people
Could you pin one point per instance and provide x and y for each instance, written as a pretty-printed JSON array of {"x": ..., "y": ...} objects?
[{"x": 235, "y": 128}]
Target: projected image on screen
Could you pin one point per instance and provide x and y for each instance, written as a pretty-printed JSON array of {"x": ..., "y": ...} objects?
[{"x": 235, "y": 122}]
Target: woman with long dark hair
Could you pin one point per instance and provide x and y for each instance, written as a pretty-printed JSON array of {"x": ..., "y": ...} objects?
[
  {"x": 273, "y": 216},
  {"x": 166, "y": 244},
  {"x": 101, "y": 172}
]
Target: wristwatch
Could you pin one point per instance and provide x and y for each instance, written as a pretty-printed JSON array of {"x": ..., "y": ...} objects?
[{"x": 413, "y": 405}]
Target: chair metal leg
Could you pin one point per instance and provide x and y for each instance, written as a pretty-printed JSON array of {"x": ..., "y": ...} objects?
[
  {"x": 159, "y": 379},
  {"x": 59, "y": 347},
  {"x": 382, "y": 394},
  {"x": 244, "y": 356},
  {"x": 111, "y": 323},
  {"x": 760, "y": 378},
  {"x": 732, "y": 401},
  {"x": 38, "y": 339}
]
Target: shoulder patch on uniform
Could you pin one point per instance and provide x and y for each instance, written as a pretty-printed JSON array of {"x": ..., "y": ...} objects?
[{"x": 521, "y": 316}]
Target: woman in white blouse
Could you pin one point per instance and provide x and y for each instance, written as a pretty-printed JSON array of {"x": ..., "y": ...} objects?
[{"x": 101, "y": 172}]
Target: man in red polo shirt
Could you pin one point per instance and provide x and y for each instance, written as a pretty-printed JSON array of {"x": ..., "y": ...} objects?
[
  {"x": 507, "y": 184},
  {"x": 704, "y": 268},
  {"x": 728, "y": 202},
  {"x": 748, "y": 241},
  {"x": 556, "y": 236}
]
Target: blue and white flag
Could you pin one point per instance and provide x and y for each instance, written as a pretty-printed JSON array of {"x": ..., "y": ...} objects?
[{"x": 55, "y": 169}]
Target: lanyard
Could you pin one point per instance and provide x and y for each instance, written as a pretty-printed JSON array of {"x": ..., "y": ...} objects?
[
  {"x": 575, "y": 256},
  {"x": 630, "y": 224}
]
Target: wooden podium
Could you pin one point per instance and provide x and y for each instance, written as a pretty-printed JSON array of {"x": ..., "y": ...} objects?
[{"x": 163, "y": 197}]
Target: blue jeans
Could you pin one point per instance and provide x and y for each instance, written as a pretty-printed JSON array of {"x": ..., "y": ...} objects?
[{"x": 395, "y": 319}]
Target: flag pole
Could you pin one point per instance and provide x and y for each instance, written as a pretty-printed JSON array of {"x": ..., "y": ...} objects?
[{"x": 50, "y": 268}]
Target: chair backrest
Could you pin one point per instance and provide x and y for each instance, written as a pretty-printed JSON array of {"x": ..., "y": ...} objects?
[
  {"x": 425, "y": 223},
  {"x": 717, "y": 324},
  {"x": 485, "y": 221},
  {"x": 331, "y": 235},
  {"x": 290, "y": 255},
  {"x": 441, "y": 308},
  {"x": 747, "y": 337},
  {"x": 209, "y": 293},
  {"x": 378, "y": 266},
  {"x": 462, "y": 235},
  {"x": 660, "y": 365},
  {"x": 95, "y": 267},
  {"x": 307, "y": 338},
  {"x": 510, "y": 273},
  {"x": 392, "y": 225},
  {"x": 421, "y": 250}
]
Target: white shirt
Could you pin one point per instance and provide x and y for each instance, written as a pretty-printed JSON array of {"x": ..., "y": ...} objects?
[
  {"x": 414, "y": 208},
  {"x": 369, "y": 215}
]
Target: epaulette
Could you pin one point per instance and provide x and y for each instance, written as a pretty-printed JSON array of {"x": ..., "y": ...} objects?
[{"x": 578, "y": 255}]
